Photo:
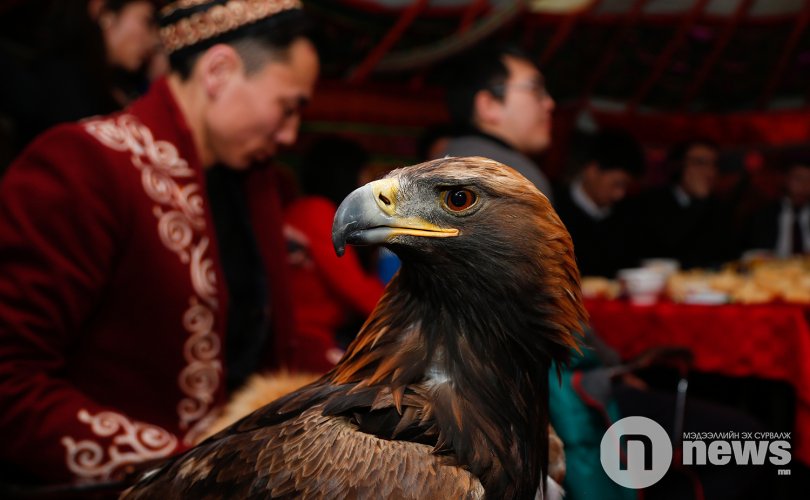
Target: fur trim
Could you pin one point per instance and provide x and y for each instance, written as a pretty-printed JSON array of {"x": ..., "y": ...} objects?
[{"x": 259, "y": 390}]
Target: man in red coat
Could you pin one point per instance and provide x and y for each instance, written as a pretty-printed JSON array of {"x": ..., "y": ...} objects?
[{"x": 123, "y": 266}]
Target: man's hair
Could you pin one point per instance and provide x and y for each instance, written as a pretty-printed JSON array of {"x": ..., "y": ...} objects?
[
  {"x": 677, "y": 154},
  {"x": 615, "y": 149},
  {"x": 118, "y": 5},
  {"x": 259, "y": 43},
  {"x": 483, "y": 69},
  {"x": 789, "y": 158}
]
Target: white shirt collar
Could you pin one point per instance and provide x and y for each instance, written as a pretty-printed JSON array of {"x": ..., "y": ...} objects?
[
  {"x": 784, "y": 241},
  {"x": 683, "y": 199},
  {"x": 583, "y": 201}
]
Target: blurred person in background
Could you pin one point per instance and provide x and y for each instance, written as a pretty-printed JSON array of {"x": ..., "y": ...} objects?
[
  {"x": 143, "y": 274},
  {"x": 783, "y": 227},
  {"x": 603, "y": 228},
  {"x": 685, "y": 220},
  {"x": 84, "y": 58},
  {"x": 432, "y": 142},
  {"x": 328, "y": 291},
  {"x": 499, "y": 97}
]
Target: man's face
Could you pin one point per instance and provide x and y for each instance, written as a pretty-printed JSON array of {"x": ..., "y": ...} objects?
[
  {"x": 699, "y": 171},
  {"x": 255, "y": 113},
  {"x": 525, "y": 121},
  {"x": 798, "y": 184},
  {"x": 130, "y": 35},
  {"x": 605, "y": 187}
]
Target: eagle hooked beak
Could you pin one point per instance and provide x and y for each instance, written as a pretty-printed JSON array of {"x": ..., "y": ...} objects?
[{"x": 368, "y": 217}]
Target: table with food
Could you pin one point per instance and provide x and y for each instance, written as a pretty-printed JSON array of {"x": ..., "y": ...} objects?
[{"x": 749, "y": 318}]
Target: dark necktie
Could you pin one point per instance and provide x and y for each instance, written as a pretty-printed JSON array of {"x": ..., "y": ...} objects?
[{"x": 798, "y": 243}]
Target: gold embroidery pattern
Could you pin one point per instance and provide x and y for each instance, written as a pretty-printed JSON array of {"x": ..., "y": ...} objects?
[
  {"x": 134, "y": 442},
  {"x": 218, "y": 19},
  {"x": 180, "y": 214},
  {"x": 200, "y": 377}
]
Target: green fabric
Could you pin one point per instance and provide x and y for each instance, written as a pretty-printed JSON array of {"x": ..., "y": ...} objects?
[{"x": 581, "y": 429}]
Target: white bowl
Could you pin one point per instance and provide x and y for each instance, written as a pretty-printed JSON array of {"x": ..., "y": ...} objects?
[
  {"x": 666, "y": 266},
  {"x": 642, "y": 285}
]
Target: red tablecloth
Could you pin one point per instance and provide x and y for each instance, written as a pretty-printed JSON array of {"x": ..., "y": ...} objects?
[{"x": 767, "y": 341}]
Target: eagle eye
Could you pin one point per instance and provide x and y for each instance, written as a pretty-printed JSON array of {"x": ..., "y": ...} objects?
[{"x": 457, "y": 200}]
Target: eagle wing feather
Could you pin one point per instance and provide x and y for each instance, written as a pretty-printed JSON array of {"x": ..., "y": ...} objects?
[{"x": 312, "y": 456}]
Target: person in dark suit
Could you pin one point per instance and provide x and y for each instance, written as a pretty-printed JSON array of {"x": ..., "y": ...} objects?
[
  {"x": 592, "y": 208},
  {"x": 783, "y": 227},
  {"x": 685, "y": 220}
]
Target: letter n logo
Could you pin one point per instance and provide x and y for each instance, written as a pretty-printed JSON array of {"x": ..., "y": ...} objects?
[
  {"x": 646, "y": 443},
  {"x": 626, "y": 443}
]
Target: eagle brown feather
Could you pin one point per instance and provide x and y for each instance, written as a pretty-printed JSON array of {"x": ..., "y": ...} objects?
[{"x": 444, "y": 392}]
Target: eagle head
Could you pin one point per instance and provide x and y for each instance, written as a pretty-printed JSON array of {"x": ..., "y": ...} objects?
[{"x": 472, "y": 233}]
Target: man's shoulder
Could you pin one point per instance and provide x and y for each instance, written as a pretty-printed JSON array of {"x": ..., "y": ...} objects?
[
  {"x": 568, "y": 210},
  {"x": 654, "y": 197},
  {"x": 64, "y": 132},
  {"x": 562, "y": 196},
  {"x": 92, "y": 149},
  {"x": 468, "y": 141},
  {"x": 479, "y": 145},
  {"x": 64, "y": 143},
  {"x": 766, "y": 214}
]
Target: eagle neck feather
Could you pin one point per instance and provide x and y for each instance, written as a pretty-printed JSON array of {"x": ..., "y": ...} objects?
[{"x": 489, "y": 402}]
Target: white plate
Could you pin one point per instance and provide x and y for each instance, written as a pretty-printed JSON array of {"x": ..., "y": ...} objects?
[{"x": 706, "y": 298}]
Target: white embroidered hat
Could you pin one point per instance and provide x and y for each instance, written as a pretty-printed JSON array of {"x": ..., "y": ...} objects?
[{"x": 186, "y": 23}]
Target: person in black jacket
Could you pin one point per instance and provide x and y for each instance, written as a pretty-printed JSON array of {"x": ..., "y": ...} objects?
[
  {"x": 592, "y": 207},
  {"x": 685, "y": 220},
  {"x": 783, "y": 227}
]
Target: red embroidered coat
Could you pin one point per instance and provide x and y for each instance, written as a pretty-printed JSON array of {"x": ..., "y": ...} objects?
[{"x": 112, "y": 300}]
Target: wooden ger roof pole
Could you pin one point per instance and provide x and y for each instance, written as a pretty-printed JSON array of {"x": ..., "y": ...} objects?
[
  {"x": 394, "y": 34},
  {"x": 784, "y": 59},
  {"x": 475, "y": 8},
  {"x": 719, "y": 46},
  {"x": 613, "y": 49},
  {"x": 662, "y": 62},
  {"x": 563, "y": 31}
]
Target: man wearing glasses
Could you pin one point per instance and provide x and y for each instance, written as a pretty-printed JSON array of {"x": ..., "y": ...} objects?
[
  {"x": 499, "y": 99},
  {"x": 686, "y": 220}
]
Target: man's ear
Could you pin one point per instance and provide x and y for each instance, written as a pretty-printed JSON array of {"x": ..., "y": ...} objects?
[
  {"x": 488, "y": 108},
  {"x": 217, "y": 66}
]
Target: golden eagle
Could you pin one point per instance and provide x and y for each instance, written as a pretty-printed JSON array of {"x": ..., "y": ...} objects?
[{"x": 444, "y": 392}]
